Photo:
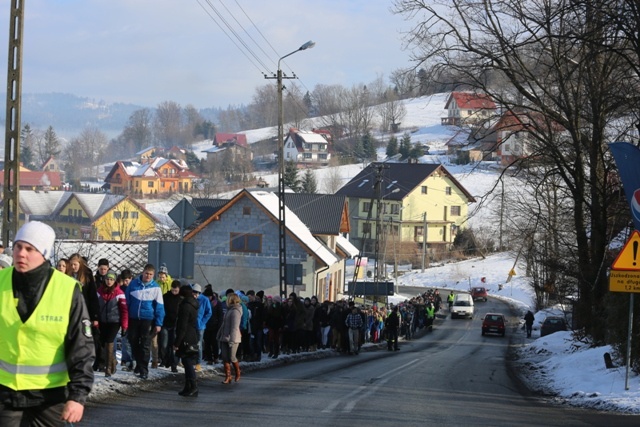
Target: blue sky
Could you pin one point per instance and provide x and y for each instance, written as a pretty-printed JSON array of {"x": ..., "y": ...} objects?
[{"x": 149, "y": 51}]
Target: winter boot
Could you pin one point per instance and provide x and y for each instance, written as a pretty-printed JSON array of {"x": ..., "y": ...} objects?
[
  {"x": 236, "y": 366},
  {"x": 107, "y": 355},
  {"x": 186, "y": 389},
  {"x": 227, "y": 373},
  {"x": 112, "y": 363},
  {"x": 193, "y": 389}
]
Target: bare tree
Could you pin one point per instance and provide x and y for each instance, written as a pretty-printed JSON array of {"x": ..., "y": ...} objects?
[
  {"x": 391, "y": 112},
  {"x": 332, "y": 181},
  {"x": 168, "y": 124},
  {"x": 564, "y": 87}
]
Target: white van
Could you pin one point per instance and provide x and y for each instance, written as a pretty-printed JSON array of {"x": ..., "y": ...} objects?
[{"x": 462, "y": 306}]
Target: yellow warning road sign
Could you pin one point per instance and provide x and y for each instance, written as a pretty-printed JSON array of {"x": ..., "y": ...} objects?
[
  {"x": 624, "y": 281},
  {"x": 629, "y": 257}
]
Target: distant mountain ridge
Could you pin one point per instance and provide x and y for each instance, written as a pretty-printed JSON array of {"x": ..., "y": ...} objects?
[{"x": 69, "y": 114}]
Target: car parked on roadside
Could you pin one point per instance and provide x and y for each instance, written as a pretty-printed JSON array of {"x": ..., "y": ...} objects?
[
  {"x": 462, "y": 306},
  {"x": 494, "y": 323},
  {"x": 552, "y": 324},
  {"x": 479, "y": 293}
]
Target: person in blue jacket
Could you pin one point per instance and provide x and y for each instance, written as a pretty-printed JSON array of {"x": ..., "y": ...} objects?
[
  {"x": 146, "y": 314},
  {"x": 204, "y": 314}
]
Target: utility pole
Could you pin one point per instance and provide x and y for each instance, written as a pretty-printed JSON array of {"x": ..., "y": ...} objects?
[
  {"x": 424, "y": 239},
  {"x": 12, "y": 125},
  {"x": 282, "y": 234}
]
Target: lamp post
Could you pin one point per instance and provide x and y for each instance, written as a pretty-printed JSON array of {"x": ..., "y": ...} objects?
[{"x": 282, "y": 247}]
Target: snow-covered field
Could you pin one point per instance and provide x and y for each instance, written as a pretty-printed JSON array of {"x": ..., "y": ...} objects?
[{"x": 558, "y": 365}]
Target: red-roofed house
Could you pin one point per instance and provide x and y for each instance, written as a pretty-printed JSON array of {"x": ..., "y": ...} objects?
[
  {"x": 468, "y": 107},
  {"x": 38, "y": 180},
  {"x": 224, "y": 138}
]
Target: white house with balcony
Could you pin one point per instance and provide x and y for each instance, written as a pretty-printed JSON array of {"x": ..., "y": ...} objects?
[{"x": 306, "y": 147}]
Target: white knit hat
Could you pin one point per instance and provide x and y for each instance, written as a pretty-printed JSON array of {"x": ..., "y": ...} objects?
[
  {"x": 5, "y": 261},
  {"x": 39, "y": 235}
]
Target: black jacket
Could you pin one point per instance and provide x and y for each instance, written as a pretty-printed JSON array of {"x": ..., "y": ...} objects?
[
  {"x": 187, "y": 326},
  {"x": 28, "y": 289},
  {"x": 171, "y": 307}
]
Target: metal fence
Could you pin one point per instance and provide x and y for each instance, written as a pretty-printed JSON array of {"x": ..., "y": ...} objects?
[{"x": 121, "y": 255}]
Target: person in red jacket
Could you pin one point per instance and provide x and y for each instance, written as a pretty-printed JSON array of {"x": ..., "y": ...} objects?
[{"x": 114, "y": 315}]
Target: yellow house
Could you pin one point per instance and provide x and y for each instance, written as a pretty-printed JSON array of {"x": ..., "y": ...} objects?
[
  {"x": 88, "y": 216},
  {"x": 160, "y": 176},
  {"x": 411, "y": 196}
]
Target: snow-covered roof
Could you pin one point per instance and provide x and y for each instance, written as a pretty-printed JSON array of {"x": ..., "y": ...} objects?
[
  {"x": 270, "y": 201},
  {"x": 312, "y": 137},
  {"x": 345, "y": 245},
  {"x": 213, "y": 149},
  {"x": 42, "y": 203}
]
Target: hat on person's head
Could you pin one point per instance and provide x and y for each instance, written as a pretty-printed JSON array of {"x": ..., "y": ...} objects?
[
  {"x": 260, "y": 294},
  {"x": 163, "y": 269},
  {"x": 5, "y": 261},
  {"x": 111, "y": 275},
  {"x": 103, "y": 261},
  {"x": 39, "y": 235},
  {"x": 196, "y": 288},
  {"x": 229, "y": 291}
]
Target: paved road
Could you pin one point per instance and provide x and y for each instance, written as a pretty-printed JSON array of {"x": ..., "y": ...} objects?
[{"x": 450, "y": 377}]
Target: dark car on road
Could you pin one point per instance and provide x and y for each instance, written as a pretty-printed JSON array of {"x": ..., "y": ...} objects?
[
  {"x": 479, "y": 293},
  {"x": 553, "y": 324},
  {"x": 494, "y": 323}
]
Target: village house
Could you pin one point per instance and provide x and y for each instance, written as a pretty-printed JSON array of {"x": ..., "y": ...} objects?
[
  {"x": 44, "y": 180},
  {"x": 158, "y": 177},
  {"x": 411, "y": 195},
  {"x": 88, "y": 216},
  {"x": 468, "y": 108},
  {"x": 307, "y": 148},
  {"x": 237, "y": 241}
]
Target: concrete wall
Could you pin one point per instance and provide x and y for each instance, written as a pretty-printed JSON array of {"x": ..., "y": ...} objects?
[{"x": 216, "y": 264}]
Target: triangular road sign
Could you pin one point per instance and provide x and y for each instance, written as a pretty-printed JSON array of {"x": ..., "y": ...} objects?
[{"x": 629, "y": 256}]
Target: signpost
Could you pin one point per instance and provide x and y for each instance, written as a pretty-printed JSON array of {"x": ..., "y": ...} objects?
[{"x": 624, "y": 276}]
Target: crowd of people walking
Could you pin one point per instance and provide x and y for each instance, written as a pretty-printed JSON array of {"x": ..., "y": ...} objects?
[{"x": 158, "y": 322}]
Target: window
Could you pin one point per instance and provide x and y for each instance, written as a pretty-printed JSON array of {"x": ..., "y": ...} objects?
[
  {"x": 115, "y": 234},
  {"x": 447, "y": 191},
  {"x": 366, "y": 206},
  {"x": 137, "y": 183},
  {"x": 240, "y": 242},
  {"x": 70, "y": 212},
  {"x": 455, "y": 210},
  {"x": 125, "y": 214},
  {"x": 307, "y": 155},
  {"x": 395, "y": 209},
  {"x": 366, "y": 227},
  {"x": 134, "y": 215},
  {"x": 322, "y": 156},
  {"x": 246, "y": 210},
  {"x": 150, "y": 184},
  {"x": 417, "y": 233},
  {"x": 117, "y": 215},
  {"x": 423, "y": 189}
]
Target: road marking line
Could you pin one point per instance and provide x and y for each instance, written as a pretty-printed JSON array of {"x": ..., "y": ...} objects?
[{"x": 364, "y": 391}]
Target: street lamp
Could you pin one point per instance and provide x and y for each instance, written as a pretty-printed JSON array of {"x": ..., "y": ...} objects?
[{"x": 281, "y": 225}]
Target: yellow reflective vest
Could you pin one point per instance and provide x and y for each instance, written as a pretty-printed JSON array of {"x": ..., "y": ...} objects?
[{"x": 32, "y": 354}]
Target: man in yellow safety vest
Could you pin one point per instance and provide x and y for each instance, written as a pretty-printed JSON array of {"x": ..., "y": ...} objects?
[{"x": 46, "y": 346}]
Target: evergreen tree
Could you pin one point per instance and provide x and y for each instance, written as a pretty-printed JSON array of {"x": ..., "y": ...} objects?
[
  {"x": 306, "y": 99},
  {"x": 290, "y": 177},
  {"x": 309, "y": 183},
  {"x": 392, "y": 146},
  {"x": 417, "y": 151},
  {"x": 368, "y": 146},
  {"x": 51, "y": 144},
  {"x": 358, "y": 150},
  {"x": 405, "y": 145},
  {"x": 26, "y": 157}
]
